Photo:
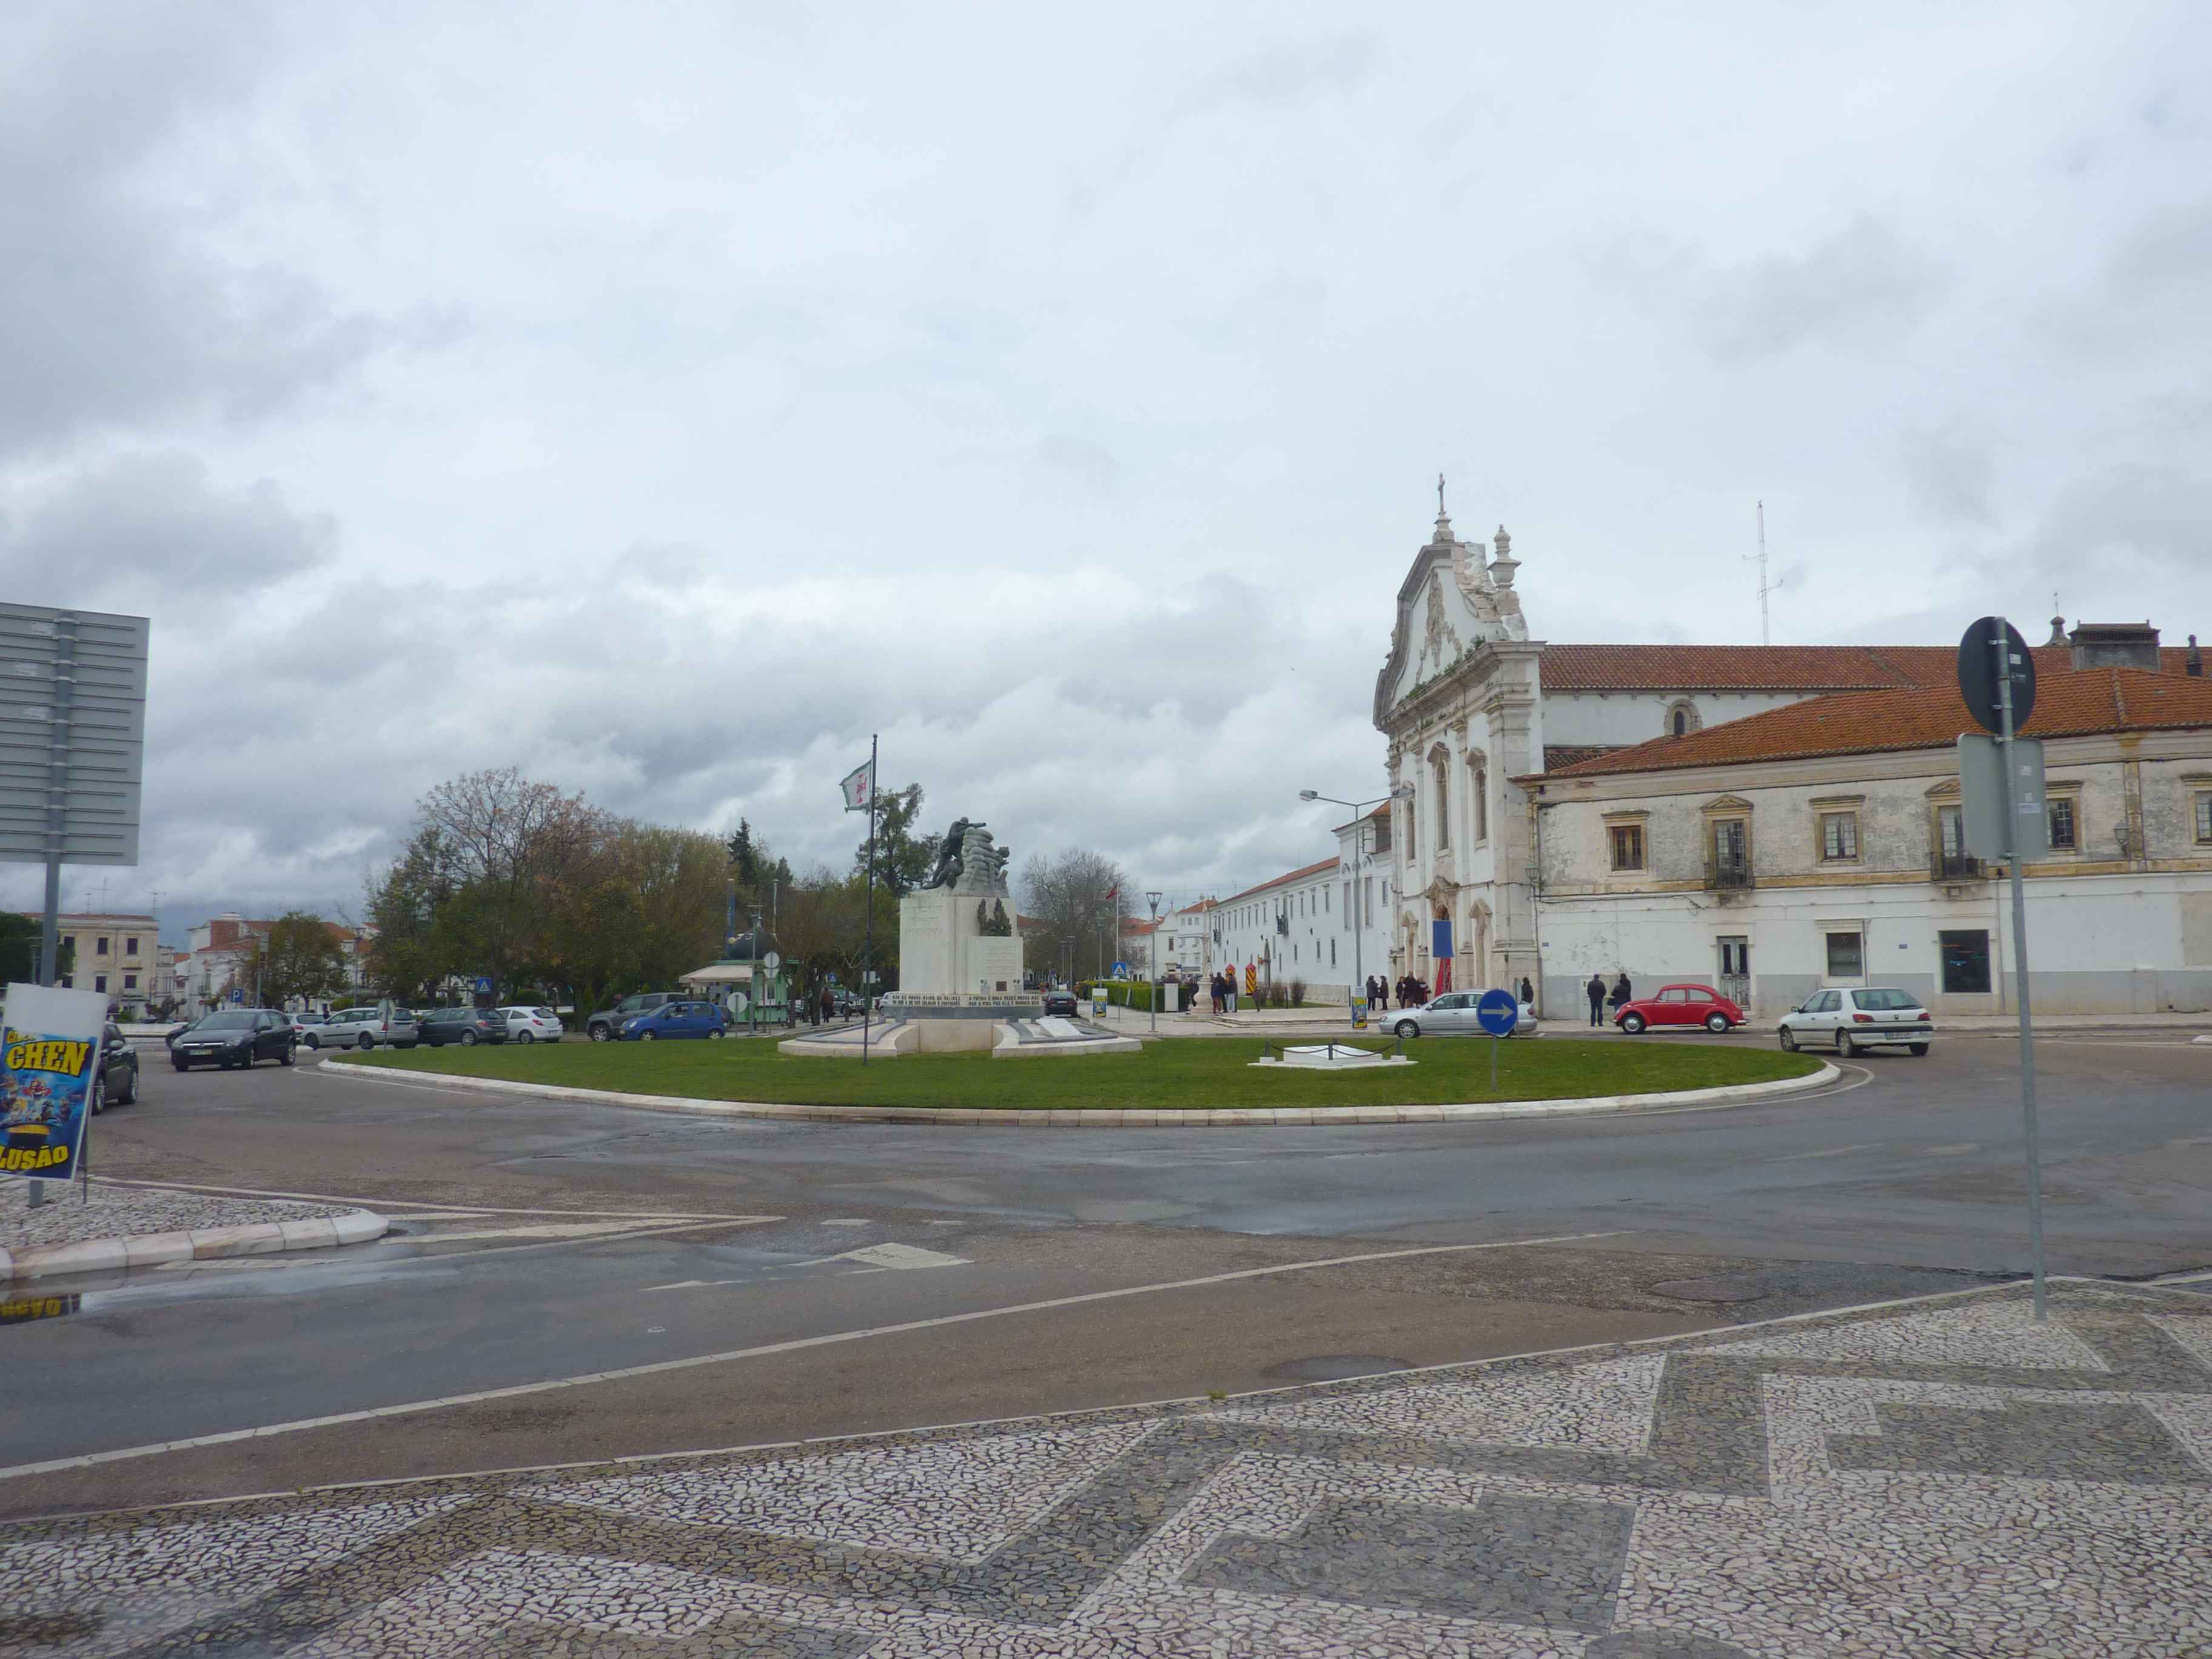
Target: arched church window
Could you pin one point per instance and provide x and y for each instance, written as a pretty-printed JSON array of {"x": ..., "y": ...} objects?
[{"x": 1442, "y": 764}]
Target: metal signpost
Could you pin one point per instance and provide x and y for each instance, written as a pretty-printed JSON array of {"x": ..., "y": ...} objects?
[
  {"x": 2003, "y": 815},
  {"x": 72, "y": 749},
  {"x": 72, "y": 746},
  {"x": 770, "y": 963},
  {"x": 1498, "y": 1012}
]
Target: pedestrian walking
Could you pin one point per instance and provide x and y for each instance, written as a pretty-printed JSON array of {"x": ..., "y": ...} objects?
[
  {"x": 1528, "y": 992},
  {"x": 1596, "y": 989}
]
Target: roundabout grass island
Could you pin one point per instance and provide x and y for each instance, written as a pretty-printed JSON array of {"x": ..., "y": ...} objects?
[{"x": 1211, "y": 1074}]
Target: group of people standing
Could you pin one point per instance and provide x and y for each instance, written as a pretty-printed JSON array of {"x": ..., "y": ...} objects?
[
  {"x": 1222, "y": 988},
  {"x": 1410, "y": 992},
  {"x": 1600, "y": 998}
]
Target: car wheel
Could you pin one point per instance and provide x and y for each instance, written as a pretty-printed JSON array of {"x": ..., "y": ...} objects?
[
  {"x": 313, "y": 1041},
  {"x": 1788, "y": 1039},
  {"x": 1407, "y": 1028},
  {"x": 98, "y": 1096},
  {"x": 288, "y": 1053},
  {"x": 526, "y": 1036},
  {"x": 1916, "y": 1049},
  {"x": 182, "y": 1065},
  {"x": 468, "y": 1039},
  {"x": 1716, "y": 1023},
  {"x": 1844, "y": 1046},
  {"x": 599, "y": 1034},
  {"x": 713, "y": 1036},
  {"x": 131, "y": 1098},
  {"x": 646, "y": 1036},
  {"x": 364, "y": 1041},
  {"x": 1633, "y": 1024}
]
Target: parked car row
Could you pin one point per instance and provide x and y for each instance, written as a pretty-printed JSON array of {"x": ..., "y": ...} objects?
[{"x": 1847, "y": 1019}]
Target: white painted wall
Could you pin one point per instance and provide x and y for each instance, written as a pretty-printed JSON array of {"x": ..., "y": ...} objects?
[{"x": 1625, "y": 717}]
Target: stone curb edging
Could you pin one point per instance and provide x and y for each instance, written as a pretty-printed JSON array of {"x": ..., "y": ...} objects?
[
  {"x": 1049, "y": 1118},
  {"x": 320, "y": 1232}
]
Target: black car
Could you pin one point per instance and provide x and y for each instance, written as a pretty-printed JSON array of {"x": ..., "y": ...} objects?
[
  {"x": 466, "y": 1026},
  {"x": 1061, "y": 1000},
  {"x": 235, "y": 1037},
  {"x": 117, "y": 1082}
]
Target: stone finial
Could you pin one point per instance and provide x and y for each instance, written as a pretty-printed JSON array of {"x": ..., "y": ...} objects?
[
  {"x": 1502, "y": 566},
  {"x": 2057, "y": 631}
]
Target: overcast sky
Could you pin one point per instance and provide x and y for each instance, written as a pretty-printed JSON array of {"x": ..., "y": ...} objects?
[{"x": 662, "y": 398}]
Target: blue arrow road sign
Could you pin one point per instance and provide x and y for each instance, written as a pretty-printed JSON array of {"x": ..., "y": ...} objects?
[{"x": 1498, "y": 1012}]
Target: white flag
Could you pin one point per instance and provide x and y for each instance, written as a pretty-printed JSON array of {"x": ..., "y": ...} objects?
[{"x": 861, "y": 788}]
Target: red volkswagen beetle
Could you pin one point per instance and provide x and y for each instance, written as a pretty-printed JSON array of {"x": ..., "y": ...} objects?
[{"x": 1680, "y": 1004}]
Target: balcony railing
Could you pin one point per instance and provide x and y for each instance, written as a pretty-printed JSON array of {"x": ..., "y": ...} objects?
[
  {"x": 1955, "y": 866},
  {"x": 1729, "y": 875}
]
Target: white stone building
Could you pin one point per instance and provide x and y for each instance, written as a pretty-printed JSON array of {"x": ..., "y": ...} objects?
[
  {"x": 1478, "y": 715},
  {"x": 1820, "y": 845}
]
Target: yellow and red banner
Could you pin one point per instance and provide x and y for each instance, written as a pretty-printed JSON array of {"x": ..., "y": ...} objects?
[{"x": 50, "y": 1052}]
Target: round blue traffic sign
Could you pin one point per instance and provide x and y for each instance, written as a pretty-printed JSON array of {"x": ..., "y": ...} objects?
[{"x": 1498, "y": 1012}]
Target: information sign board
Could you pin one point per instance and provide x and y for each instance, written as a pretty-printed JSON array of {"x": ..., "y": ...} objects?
[
  {"x": 72, "y": 735},
  {"x": 1986, "y": 796}
]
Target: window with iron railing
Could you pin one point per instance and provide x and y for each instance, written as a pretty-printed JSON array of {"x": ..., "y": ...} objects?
[
  {"x": 1730, "y": 865},
  {"x": 1950, "y": 862}
]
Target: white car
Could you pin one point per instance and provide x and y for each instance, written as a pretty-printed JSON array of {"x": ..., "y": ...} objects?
[
  {"x": 1872, "y": 1017},
  {"x": 532, "y": 1025}
]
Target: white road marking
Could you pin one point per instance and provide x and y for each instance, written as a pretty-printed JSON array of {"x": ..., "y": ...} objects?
[
  {"x": 846, "y": 1221},
  {"x": 531, "y": 1229},
  {"x": 904, "y": 1256},
  {"x": 1827, "y": 1151},
  {"x": 383, "y": 1205},
  {"x": 1954, "y": 1152},
  {"x": 795, "y": 1345}
]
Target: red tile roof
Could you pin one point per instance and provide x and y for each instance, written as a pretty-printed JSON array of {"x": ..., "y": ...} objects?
[
  {"x": 1313, "y": 869},
  {"x": 1928, "y": 716},
  {"x": 1775, "y": 667}
]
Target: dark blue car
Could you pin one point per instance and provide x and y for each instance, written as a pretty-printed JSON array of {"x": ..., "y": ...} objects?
[{"x": 676, "y": 1019}]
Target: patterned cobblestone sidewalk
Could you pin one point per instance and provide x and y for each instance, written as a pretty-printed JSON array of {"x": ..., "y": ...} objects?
[{"x": 1936, "y": 1478}]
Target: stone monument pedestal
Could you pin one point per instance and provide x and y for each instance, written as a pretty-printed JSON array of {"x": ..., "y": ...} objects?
[{"x": 960, "y": 970}]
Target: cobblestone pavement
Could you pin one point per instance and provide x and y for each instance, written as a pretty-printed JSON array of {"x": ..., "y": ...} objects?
[
  {"x": 124, "y": 1211},
  {"x": 1932, "y": 1478}
]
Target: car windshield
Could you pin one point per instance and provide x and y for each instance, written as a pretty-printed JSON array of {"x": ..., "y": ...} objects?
[
  {"x": 1885, "y": 1000},
  {"x": 227, "y": 1023}
]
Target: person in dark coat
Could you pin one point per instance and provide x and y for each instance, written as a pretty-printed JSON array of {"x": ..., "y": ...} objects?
[
  {"x": 1622, "y": 994},
  {"x": 1596, "y": 989},
  {"x": 828, "y": 1006},
  {"x": 1528, "y": 992}
]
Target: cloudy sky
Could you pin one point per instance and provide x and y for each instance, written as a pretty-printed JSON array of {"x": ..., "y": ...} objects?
[{"x": 663, "y": 398}]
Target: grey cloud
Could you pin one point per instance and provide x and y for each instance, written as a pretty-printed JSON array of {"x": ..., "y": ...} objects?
[
  {"x": 1951, "y": 472},
  {"x": 1290, "y": 73},
  {"x": 113, "y": 311},
  {"x": 1862, "y": 283},
  {"x": 145, "y": 528}
]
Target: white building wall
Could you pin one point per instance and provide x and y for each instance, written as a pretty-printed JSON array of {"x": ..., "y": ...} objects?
[
  {"x": 2106, "y": 933},
  {"x": 1625, "y": 717}
]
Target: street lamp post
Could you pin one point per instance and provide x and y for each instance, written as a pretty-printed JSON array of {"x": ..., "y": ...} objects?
[
  {"x": 1153, "y": 999},
  {"x": 1401, "y": 792}
]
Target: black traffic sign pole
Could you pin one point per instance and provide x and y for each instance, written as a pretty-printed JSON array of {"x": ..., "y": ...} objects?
[{"x": 1996, "y": 674}]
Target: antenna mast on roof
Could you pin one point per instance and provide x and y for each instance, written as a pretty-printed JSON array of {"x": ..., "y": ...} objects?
[{"x": 1765, "y": 632}]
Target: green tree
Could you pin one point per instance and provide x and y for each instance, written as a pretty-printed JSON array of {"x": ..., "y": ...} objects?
[
  {"x": 19, "y": 951},
  {"x": 903, "y": 859},
  {"x": 301, "y": 958}
]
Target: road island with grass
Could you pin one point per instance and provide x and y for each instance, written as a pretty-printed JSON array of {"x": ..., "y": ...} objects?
[{"x": 1208, "y": 1074}]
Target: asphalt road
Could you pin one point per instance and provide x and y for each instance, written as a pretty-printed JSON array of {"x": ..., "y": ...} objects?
[{"x": 759, "y": 1281}]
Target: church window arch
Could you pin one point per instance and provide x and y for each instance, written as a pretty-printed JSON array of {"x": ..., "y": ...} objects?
[
  {"x": 1682, "y": 718},
  {"x": 1440, "y": 766},
  {"x": 1477, "y": 794}
]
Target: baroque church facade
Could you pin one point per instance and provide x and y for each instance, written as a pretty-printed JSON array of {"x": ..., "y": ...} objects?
[{"x": 1498, "y": 744}]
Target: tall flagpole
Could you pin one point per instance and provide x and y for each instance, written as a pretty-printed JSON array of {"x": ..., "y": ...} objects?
[{"x": 868, "y": 956}]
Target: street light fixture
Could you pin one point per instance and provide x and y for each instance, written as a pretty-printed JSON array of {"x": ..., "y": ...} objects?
[
  {"x": 1401, "y": 792},
  {"x": 1152, "y": 899}
]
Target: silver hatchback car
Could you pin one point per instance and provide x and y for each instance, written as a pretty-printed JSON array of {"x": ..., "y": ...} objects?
[{"x": 1868, "y": 1017}]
